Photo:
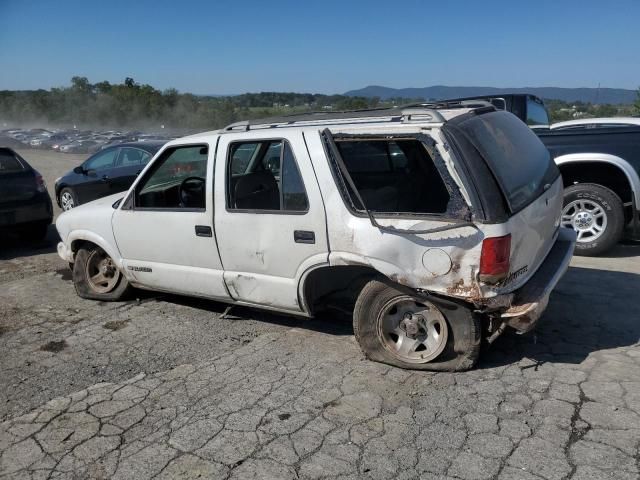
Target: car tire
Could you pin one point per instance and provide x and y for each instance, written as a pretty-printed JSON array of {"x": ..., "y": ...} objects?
[
  {"x": 91, "y": 261},
  {"x": 596, "y": 214},
  {"x": 68, "y": 199},
  {"x": 441, "y": 335}
]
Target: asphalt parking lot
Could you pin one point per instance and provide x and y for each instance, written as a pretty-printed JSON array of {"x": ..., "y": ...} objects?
[{"x": 164, "y": 387}]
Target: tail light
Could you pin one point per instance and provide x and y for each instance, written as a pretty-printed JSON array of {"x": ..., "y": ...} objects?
[
  {"x": 41, "y": 186},
  {"x": 494, "y": 259}
]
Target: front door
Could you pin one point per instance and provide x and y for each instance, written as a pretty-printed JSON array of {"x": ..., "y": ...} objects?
[
  {"x": 96, "y": 181},
  {"x": 270, "y": 219},
  {"x": 164, "y": 229}
]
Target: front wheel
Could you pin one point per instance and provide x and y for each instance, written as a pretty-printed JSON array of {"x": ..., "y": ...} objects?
[
  {"x": 412, "y": 332},
  {"x": 597, "y": 216},
  {"x": 96, "y": 277},
  {"x": 68, "y": 199}
]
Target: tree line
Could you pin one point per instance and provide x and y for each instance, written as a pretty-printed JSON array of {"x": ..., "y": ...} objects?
[{"x": 131, "y": 104}]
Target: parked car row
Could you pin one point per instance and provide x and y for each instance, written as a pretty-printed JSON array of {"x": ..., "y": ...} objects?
[{"x": 78, "y": 141}]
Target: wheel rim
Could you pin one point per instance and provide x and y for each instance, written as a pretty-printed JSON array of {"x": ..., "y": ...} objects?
[
  {"x": 66, "y": 199},
  {"x": 102, "y": 274},
  {"x": 413, "y": 331},
  {"x": 587, "y": 218}
]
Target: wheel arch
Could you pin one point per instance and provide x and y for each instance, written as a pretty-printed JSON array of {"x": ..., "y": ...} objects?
[
  {"x": 328, "y": 280},
  {"x": 79, "y": 238},
  {"x": 589, "y": 168}
]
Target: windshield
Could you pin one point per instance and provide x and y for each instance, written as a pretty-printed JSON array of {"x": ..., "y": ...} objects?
[{"x": 517, "y": 158}]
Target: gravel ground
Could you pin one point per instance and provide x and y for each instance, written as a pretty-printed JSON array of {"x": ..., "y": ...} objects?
[{"x": 165, "y": 387}]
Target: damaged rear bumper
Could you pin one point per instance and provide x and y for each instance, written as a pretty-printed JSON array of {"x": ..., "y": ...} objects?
[{"x": 531, "y": 300}]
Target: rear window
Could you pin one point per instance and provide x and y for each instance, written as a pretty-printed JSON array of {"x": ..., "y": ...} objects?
[
  {"x": 394, "y": 175},
  {"x": 9, "y": 163},
  {"x": 517, "y": 158}
]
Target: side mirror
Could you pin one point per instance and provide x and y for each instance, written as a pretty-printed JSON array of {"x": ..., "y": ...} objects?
[{"x": 79, "y": 170}]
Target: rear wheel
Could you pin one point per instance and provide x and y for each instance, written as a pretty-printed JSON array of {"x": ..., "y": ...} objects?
[
  {"x": 597, "y": 216},
  {"x": 407, "y": 331},
  {"x": 95, "y": 276},
  {"x": 68, "y": 199}
]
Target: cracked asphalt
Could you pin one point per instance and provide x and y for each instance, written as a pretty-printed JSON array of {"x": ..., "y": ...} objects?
[{"x": 165, "y": 387}]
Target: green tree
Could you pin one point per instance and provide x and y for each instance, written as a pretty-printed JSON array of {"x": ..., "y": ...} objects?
[{"x": 636, "y": 105}]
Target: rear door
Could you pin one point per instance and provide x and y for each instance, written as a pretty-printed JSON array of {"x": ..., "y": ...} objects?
[{"x": 270, "y": 221}]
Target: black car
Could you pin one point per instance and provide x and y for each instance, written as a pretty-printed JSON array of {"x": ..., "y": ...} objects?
[
  {"x": 25, "y": 205},
  {"x": 109, "y": 171}
]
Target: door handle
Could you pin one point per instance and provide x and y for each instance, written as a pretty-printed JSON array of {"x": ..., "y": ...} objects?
[
  {"x": 105, "y": 178},
  {"x": 203, "y": 231},
  {"x": 304, "y": 236}
]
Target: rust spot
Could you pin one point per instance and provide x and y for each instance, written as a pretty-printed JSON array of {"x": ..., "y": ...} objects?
[
  {"x": 459, "y": 289},
  {"x": 401, "y": 279},
  {"x": 455, "y": 267}
]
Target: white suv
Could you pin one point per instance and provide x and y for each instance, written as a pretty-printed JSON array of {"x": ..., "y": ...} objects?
[{"x": 434, "y": 226}]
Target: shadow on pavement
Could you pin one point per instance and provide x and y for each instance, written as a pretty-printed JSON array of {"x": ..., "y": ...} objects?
[
  {"x": 332, "y": 323},
  {"x": 590, "y": 310},
  {"x": 14, "y": 246}
]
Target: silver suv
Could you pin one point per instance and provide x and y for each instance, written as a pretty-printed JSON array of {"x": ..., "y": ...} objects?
[{"x": 433, "y": 226}]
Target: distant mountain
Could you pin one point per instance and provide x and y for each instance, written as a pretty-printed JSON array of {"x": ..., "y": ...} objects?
[{"x": 439, "y": 92}]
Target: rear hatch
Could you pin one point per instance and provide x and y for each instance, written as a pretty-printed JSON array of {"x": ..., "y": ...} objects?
[
  {"x": 17, "y": 179},
  {"x": 530, "y": 184}
]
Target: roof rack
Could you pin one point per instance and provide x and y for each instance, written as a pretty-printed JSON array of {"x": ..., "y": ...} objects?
[{"x": 422, "y": 112}]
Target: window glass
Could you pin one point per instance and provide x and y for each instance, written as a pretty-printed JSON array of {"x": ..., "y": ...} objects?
[
  {"x": 536, "y": 113},
  {"x": 102, "y": 160},
  {"x": 177, "y": 180},
  {"x": 394, "y": 175},
  {"x": 241, "y": 155},
  {"x": 9, "y": 162},
  {"x": 132, "y": 157},
  {"x": 517, "y": 158},
  {"x": 264, "y": 176},
  {"x": 294, "y": 196}
]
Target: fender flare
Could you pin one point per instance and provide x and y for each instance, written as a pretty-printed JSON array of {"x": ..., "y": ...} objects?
[
  {"x": 621, "y": 163},
  {"x": 86, "y": 235}
]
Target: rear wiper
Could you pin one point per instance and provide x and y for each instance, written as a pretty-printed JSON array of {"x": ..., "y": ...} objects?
[{"x": 335, "y": 153}]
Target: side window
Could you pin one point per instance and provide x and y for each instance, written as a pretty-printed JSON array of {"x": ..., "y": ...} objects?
[
  {"x": 394, "y": 175},
  {"x": 133, "y": 157},
  {"x": 177, "y": 180},
  {"x": 241, "y": 156},
  {"x": 264, "y": 176},
  {"x": 294, "y": 197},
  {"x": 102, "y": 161}
]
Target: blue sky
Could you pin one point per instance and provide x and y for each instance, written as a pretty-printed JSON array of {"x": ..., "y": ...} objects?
[{"x": 324, "y": 46}]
